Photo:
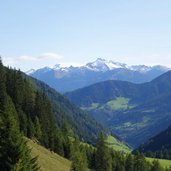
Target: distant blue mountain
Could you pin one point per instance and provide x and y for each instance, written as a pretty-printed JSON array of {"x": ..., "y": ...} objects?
[{"x": 65, "y": 79}]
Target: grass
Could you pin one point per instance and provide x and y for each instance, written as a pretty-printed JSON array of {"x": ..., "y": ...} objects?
[
  {"x": 117, "y": 145},
  {"x": 120, "y": 146},
  {"x": 164, "y": 163},
  {"x": 49, "y": 161},
  {"x": 93, "y": 106},
  {"x": 118, "y": 104}
]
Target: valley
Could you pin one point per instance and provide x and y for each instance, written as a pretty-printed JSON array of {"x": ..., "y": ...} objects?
[{"x": 134, "y": 112}]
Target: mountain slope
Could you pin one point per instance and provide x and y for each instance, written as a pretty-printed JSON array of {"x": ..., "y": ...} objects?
[
  {"x": 80, "y": 121},
  {"x": 65, "y": 79},
  {"x": 159, "y": 145},
  {"x": 135, "y": 112},
  {"x": 47, "y": 160},
  {"x": 117, "y": 145}
]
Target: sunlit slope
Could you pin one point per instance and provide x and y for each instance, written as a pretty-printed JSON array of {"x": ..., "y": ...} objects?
[
  {"x": 117, "y": 145},
  {"x": 163, "y": 162},
  {"x": 47, "y": 160}
]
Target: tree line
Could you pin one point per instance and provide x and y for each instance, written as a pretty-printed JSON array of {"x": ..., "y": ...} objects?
[{"x": 103, "y": 158}]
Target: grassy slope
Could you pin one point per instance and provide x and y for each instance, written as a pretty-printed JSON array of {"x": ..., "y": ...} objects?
[
  {"x": 119, "y": 103},
  {"x": 49, "y": 161},
  {"x": 163, "y": 162},
  {"x": 117, "y": 145}
]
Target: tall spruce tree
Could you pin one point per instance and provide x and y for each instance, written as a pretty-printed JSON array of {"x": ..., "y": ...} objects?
[
  {"x": 14, "y": 152},
  {"x": 38, "y": 129},
  {"x": 103, "y": 157},
  {"x": 140, "y": 163},
  {"x": 129, "y": 163},
  {"x": 2, "y": 86},
  {"x": 156, "y": 166},
  {"x": 79, "y": 160}
]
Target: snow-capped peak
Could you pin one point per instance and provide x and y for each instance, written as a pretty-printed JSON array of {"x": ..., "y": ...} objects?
[
  {"x": 30, "y": 71},
  {"x": 104, "y": 65},
  {"x": 114, "y": 65},
  {"x": 99, "y": 65},
  {"x": 140, "y": 68}
]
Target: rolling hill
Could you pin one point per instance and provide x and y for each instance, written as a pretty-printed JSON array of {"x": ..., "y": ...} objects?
[{"x": 135, "y": 112}]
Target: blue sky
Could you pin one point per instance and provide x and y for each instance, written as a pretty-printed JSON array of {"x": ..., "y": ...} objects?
[{"x": 37, "y": 33}]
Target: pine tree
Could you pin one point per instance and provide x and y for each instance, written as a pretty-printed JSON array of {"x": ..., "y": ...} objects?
[
  {"x": 30, "y": 128},
  {"x": 14, "y": 153},
  {"x": 43, "y": 111},
  {"x": 129, "y": 164},
  {"x": 156, "y": 166},
  {"x": 59, "y": 143},
  {"x": 140, "y": 163},
  {"x": 103, "y": 157},
  {"x": 38, "y": 129},
  {"x": 67, "y": 147},
  {"x": 79, "y": 162},
  {"x": 22, "y": 122},
  {"x": 2, "y": 86}
]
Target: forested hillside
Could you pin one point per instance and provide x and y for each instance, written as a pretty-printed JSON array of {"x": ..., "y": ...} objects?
[
  {"x": 25, "y": 111},
  {"x": 135, "y": 112},
  {"x": 78, "y": 121},
  {"x": 158, "y": 146},
  {"x": 14, "y": 153}
]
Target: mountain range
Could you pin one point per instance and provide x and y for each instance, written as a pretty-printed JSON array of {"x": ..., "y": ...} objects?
[
  {"x": 64, "y": 79},
  {"x": 135, "y": 112}
]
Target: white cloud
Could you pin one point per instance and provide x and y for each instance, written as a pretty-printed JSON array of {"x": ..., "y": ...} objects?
[
  {"x": 25, "y": 58},
  {"x": 26, "y": 62},
  {"x": 50, "y": 56},
  {"x": 44, "y": 56}
]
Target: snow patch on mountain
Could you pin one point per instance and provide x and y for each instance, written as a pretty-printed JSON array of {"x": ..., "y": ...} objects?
[
  {"x": 31, "y": 71},
  {"x": 100, "y": 65}
]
